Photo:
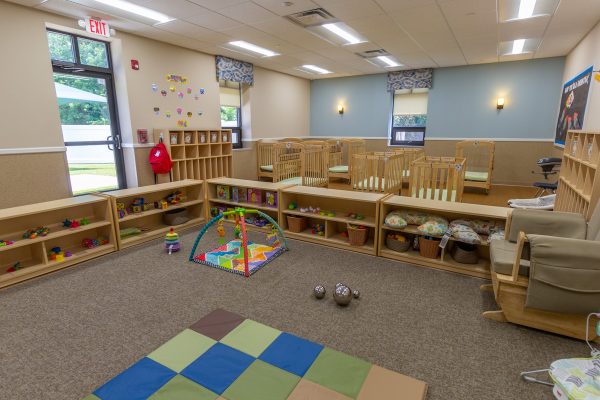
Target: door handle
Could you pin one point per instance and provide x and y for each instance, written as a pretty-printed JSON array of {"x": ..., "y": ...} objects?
[
  {"x": 109, "y": 138},
  {"x": 118, "y": 141}
]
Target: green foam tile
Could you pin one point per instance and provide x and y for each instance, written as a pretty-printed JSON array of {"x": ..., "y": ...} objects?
[
  {"x": 251, "y": 337},
  {"x": 181, "y": 350},
  {"x": 181, "y": 388},
  {"x": 262, "y": 381}
]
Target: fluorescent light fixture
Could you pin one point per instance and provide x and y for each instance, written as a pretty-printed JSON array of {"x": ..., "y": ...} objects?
[
  {"x": 517, "y": 47},
  {"x": 316, "y": 69},
  {"x": 160, "y": 18},
  {"x": 349, "y": 37},
  {"x": 390, "y": 63},
  {"x": 526, "y": 9},
  {"x": 254, "y": 48}
]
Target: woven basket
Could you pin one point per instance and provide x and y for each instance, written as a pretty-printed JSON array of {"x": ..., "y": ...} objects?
[
  {"x": 397, "y": 245},
  {"x": 429, "y": 248},
  {"x": 296, "y": 224},
  {"x": 465, "y": 253},
  {"x": 357, "y": 236}
]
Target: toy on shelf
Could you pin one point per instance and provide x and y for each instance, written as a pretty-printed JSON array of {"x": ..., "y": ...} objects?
[
  {"x": 255, "y": 196},
  {"x": 6, "y": 243},
  {"x": 56, "y": 254},
  {"x": 73, "y": 223},
  {"x": 176, "y": 198},
  {"x": 172, "y": 241},
  {"x": 309, "y": 209},
  {"x": 138, "y": 205},
  {"x": 223, "y": 192},
  {"x": 239, "y": 195},
  {"x": 293, "y": 205},
  {"x": 16, "y": 266},
  {"x": 240, "y": 256},
  {"x": 271, "y": 199},
  {"x": 91, "y": 243},
  {"x": 356, "y": 216},
  {"x": 33, "y": 233},
  {"x": 327, "y": 213},
  {"x": 121, "y": 210},
  {"x": 318, "y": 229},
  {"x": 128, "y": 232}
]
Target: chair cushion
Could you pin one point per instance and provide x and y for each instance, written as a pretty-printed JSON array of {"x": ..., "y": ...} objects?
[
  {"x": 562, "y": 224},
  {"x": 502, "y": 257},
  {"x": 339, "y": 169},
  {"x": 268, "y": 168},
  {"x": 575, "y": 376},
  {"x": 476, "y": 176}
]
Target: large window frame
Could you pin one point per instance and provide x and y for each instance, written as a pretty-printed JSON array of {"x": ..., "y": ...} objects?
[
  {"x": 236, "y": 131},
  {"x": 396, "y": 132}
]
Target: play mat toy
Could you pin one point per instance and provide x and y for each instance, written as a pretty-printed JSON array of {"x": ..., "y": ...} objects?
[
  {"x": 239, "y": 255},
  {"x": 227, "y": 356}
]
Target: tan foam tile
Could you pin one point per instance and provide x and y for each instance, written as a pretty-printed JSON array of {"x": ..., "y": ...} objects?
[
  {"x": 382, "y": 383},
  {"x": 307, "y": 390}
]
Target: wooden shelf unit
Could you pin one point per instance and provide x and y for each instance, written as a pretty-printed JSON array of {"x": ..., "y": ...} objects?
[
  {"x": 214, "y": 201},
  {"x": 33, "y": 253},
  {"x": 342, "y": 203},
  {"x": 579, "y": 183},
  {"x": 198, "y": 154},
  {"x": 450, "y": 211},
  {"x": 151, "y": 221}
]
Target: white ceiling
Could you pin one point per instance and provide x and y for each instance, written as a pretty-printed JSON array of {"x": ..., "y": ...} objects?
[{"x": 419, "y": 33}]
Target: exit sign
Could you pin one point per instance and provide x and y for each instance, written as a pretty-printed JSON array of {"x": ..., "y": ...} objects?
[{"x": 97, "y": 26}]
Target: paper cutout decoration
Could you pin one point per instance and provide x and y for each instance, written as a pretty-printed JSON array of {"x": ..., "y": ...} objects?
[
  {"x": 180, "y": 95},
  {"x": 196, "y": 97},
  {"x": 202, "y": 91},
  {"x": 177, "y": 78},
  {"x": 154, "y": 87},
  {"x": 189, "y": 90},
  {"x": 172, "y": 88},
  {"x": 163, "y": 92},
  {"x": 179, "y": 111},
  {"x": 156, "y": 111},
  {"x": 182, "y": 123},
  {"x": 189, "y": 114},
  {"x": 168, "y": 114}
]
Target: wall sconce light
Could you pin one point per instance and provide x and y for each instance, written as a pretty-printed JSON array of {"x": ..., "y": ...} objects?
[
  {"x": 340, "y": 109},
  {"x": 500, "y": 103}
]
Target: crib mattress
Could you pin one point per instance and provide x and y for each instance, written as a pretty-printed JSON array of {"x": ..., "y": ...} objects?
[
  {"x": 293, "y": 181},
  {"x": 339, "y": 169},
  {"x": 266, "y": 168},
  {"x": 476, "y": 176},
  {"x": 372, "y": 183}
]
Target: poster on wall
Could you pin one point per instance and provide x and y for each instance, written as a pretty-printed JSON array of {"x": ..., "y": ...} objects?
[{"x": 572, "y": 105}]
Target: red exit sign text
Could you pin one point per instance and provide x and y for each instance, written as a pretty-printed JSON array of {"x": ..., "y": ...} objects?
[{"x": 97, "y": 26}]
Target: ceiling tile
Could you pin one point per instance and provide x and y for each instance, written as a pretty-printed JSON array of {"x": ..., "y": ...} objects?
[
  {"x": 392, "y": 6},
  {"x": 422, "y": 19},
  {"x": 248, "y": 13},
  {"x": 213, "y": 20},
  {"x": 185, "y": 29},
  {"x": 448, "y": 56},
  {"x": 515, "y": 57},
  {"x": 350, "y": 9},
  {"x": 216, "y": 5},
  {"x": 523, "y": 29},
  {"x": 278, "y": 7},
  {"x": 175, "y": 8}
]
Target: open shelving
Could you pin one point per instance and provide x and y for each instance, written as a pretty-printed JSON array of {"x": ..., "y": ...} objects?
[
  {"x": 450, "y": 211},
  {"x": 340, "y": 203},
  {"x": 32, "y": 254},
  {"x": 197, "y": 154},
  {"x": 151, "y": 222},
  {"x": 578, "y": 187}
]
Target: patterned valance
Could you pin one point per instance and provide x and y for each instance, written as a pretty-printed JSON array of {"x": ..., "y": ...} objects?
[
  {"x": 234, "y": 70},
  {"x": 411, "y": 79},
  {"x": 410, "y": 120}
]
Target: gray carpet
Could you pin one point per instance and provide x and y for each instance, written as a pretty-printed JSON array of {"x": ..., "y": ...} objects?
[{"x": 64, "y": 334}]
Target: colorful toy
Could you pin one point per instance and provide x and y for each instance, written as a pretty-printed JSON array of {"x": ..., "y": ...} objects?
[
  {"x": 223, "y": 192},
  {"x": 16, "y": 266},
  {"x": 255, "y": 196},
  {"x": 172, "y": 241},
  {"x": 293, "y": 205},
  {"x": 163, "y": 205},
  {"x": 91, "y": 243},
  {"x": 239, "y": 255},
  {"x": 271, "y": 199},
  {"x": 214, "y": 211},
  {"x": 137, "y": 206},
  {"x": 5, "y": 243},
  {"x": 33, "y": 233},
  {"x": 176, "y": 197},
  {"x": 84, "y": 221},
  {"x": 221, "y": 232},
  {"x": 318, "y": 229},
  {"x": 237, "y": 229},
  {"x": 355, "y": 216}
]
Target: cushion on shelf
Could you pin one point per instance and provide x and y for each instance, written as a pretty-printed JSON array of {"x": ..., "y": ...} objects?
[
  {"x": 267, "y": 168},
  {"x": 476, "y": 176},
  {"x": 395, "y": 220},
  {"x": 434, "y": 226},
  {"x": 464, "y": 233},
  {"x": 413, "y": 217},
  {"x": 339, "y": 169}
]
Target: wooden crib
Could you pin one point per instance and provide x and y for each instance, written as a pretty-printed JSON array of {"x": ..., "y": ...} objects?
[
  {"x": 379, "y": 172},
  {"x": 340, "y": 165},
  {"x": 264, "y": 159},
  {"x": 300, "y": 163},
  {"x": 480, "y": 162},
  {"x": 410, "y": 155},
  {"x": 437, "y": 178}
]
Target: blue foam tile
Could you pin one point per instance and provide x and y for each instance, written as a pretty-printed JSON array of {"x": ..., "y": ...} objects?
[
  {"x": 137, "y": 382},
  {"x": 291, "y": 353},
  {"x": 218, "y": 367}
]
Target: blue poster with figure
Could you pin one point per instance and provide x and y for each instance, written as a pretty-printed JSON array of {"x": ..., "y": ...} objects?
[{"x": 573, "y": 103}]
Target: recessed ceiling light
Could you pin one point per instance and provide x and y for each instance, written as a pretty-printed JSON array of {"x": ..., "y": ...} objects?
[
  {"x": 160, "y": 18},
  {"x": 253, "y": 48},
  {"x": 314, "y": 68},
  {"x": 526, "y": 9},
  {"x": 517, "y": 47},
  {"x": 388, "y": 61},
  {"x": 344, "y": 31}
]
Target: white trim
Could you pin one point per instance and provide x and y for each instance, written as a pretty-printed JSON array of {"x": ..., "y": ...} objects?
[
  {"x": 136, "y": 145},
  {"x": 32, "y": 150},
  {"x": 494, "y": 139}
]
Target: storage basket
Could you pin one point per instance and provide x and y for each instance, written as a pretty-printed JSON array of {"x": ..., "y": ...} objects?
[
  {"x": 397, "y": 245},
  {"x": 429, "y": 247},
  {"x": 296, "y": 224},
  {"x": 176, "y": 217},
  {"x": 465, "y": 253},
  {"x": 357, "y": 236}
]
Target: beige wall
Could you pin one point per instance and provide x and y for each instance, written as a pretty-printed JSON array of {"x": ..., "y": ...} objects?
[{"x": 583, "y": 56}]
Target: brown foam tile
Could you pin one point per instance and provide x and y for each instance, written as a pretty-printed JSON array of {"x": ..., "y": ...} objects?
[
  {"x": 307, "y": 390},
  {"x": 217, "y": 324},
  {"x": 382, "y": 383}
]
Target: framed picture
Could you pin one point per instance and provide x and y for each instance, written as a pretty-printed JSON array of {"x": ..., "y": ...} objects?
[
  {"x": 223, "y": 192},
  {"x": 173, "y": 137}
]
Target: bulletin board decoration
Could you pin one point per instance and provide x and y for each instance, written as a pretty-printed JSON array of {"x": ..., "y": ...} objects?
[
  {"x": 573, "y": 103},
  {"x": 177, "y": 79}
]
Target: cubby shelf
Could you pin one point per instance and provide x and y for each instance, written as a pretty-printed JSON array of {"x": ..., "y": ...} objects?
[
  {"x": 450, "y": 211},
  {"x": 32, "y": 254},
  {"x": 578, "y": 186},
  {"x": 150, "y": 222}
]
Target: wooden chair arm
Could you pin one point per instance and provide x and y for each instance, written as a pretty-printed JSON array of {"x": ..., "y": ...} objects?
[{"x": 517, "y": 264}]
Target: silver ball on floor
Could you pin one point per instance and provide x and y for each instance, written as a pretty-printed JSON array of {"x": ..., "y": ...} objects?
[
  {"x": 319, "y": 291},
  {"x": 356, "y": 294},
  {"x": 339, "y": 284},
  {"x": 342, "y": 295}
]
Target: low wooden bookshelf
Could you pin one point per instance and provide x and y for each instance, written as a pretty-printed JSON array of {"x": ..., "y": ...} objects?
[
  {"x": 31, "y": 258},
  {"x": 450, "y": 211},
  {"x": 340, "y": 204},
  {"x": 198, "y": 154},
  {"x": 151, "y": 221}
]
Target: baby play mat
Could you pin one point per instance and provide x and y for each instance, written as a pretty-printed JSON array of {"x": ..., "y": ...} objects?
[
  {"x": 225, "y": 356},
  {"x": 230, "y": 256}
]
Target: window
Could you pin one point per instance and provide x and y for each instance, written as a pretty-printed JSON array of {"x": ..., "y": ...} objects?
[
  {"x": 78, "y": 53},
  {"x": 409, "y": 118},
  {"x": 231, "y": 110}
]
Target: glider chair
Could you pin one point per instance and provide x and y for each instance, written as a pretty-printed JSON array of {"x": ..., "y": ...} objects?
[{"x": 546, "y": 272}]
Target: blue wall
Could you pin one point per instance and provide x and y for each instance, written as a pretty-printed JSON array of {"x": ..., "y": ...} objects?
[{"x": 462, "y": 102}]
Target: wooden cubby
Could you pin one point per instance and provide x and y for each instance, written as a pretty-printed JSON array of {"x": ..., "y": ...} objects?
[
  {"x": 450, "y": 211},
  {"x": 151, "y": 222},
  {"x": 341, "y": 203},
  {"x": 197, "y": 154},
  {"x": 214, "y": 201},
  {"x": 32, "y": 254},
  {"x": 578, "y": 189}
]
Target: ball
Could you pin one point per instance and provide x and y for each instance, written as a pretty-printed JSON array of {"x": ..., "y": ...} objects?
[
  {"x": 356, "y": 294},
  {"x": 319, "y": 291},
  {"x": 342, "y": 295}
]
